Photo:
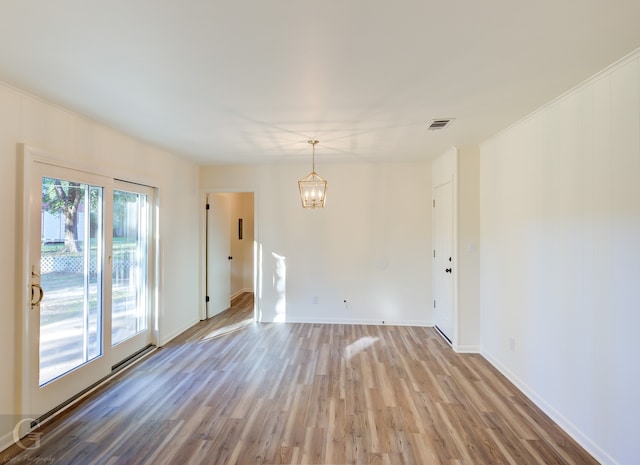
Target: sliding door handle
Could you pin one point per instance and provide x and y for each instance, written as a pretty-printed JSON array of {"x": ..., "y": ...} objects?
[{"x": 37, "y": 294}]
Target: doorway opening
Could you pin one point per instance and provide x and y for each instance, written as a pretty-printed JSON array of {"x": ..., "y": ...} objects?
[{"x": 230, "y": 257}]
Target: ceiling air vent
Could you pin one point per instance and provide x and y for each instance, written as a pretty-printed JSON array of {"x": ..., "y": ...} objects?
[{"x": 438, "y": 124}]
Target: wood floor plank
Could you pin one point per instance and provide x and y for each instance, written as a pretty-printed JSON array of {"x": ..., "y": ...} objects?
[{"x": 229, "y": 391}]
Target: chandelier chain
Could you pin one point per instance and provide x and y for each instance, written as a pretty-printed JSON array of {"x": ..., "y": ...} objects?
[{"x": 313, "y": 143}]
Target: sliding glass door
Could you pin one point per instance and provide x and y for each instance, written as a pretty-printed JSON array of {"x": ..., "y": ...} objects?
[{"x": 89, "y": 267}]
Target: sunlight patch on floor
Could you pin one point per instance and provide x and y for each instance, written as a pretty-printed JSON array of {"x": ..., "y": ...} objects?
[
  {"x": 228, "y": 329},
  {"x": 358, "y": 346}
]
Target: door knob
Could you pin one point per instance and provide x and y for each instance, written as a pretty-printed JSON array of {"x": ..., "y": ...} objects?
[
  {"x": 230, "y": 257},
  {"x": 448, "y": 270}
]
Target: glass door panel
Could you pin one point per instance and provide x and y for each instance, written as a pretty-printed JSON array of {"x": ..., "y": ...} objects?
[
  {"x": 129, "y": 265},
  {"x": 131, "y": 262},
  {"x": 71, "y": 258},
  {"x": 67, "y": 347}
]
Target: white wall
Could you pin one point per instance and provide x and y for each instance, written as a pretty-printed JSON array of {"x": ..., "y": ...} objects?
[
  {"x": 370, "y": 245},
  {"x": 560, "y": 260},
  {"x": 248, "y": 241},
  {"x": 241, "y": 206},
  {"x": 25, "y": 119}
]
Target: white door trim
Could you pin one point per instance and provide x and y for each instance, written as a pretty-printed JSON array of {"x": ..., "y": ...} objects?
[{"x": 257, "y": 255}]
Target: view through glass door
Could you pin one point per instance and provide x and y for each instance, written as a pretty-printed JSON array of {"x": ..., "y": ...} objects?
[
  {"x": 71, "y": 273},
  {"x": 90, "y": 262},
  {"x": 130, "y": 265},
  {"x": 67, "y": 316}
]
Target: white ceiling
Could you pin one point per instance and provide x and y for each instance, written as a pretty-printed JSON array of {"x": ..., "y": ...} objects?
[{"x": 250, "y": 81}]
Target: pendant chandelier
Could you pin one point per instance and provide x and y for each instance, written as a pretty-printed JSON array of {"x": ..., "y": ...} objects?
[{"x": 313, "y": 188}]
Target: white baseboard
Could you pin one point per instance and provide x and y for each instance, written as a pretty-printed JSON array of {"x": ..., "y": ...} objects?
[
  {"x": 176, "y": 333},
  {"x": 240, "y": 292},
  {"x": 6, "y": 441},
  {"x": 355, "y": 321},
  {"x": 585, "y": 442},
  {"x": 467, "y": 349}
]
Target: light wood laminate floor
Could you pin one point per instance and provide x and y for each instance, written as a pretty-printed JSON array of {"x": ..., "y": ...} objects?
[{"x": 231, "y": 391}]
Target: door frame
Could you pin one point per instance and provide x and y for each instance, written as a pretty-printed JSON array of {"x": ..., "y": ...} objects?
[
  {"x": 257, "y": 260},
  {"x": 27, "y": 157}
]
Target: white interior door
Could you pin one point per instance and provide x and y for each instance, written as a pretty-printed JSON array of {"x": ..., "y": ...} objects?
[
  {"x": 218, "y": 254},
  {"x": 443, "y": 271}
]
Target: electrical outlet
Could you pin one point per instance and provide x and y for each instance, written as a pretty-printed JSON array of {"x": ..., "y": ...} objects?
[
  {"x": 314, "y": 300},
  {"x": 512, "y": 344}
]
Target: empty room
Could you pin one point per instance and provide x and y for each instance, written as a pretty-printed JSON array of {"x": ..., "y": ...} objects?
[{"x": 356, "y": 232}]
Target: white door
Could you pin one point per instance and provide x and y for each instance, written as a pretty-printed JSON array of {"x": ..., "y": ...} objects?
[
  {"x": 218, "y": 254},
  {"x": 67, "y": 319},
  {"x": 443, "y": 271}
]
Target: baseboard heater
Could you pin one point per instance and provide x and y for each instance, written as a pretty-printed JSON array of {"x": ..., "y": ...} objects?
[
  {"x": 132, "y": 358},
  {"x": 114, "y": 370}
]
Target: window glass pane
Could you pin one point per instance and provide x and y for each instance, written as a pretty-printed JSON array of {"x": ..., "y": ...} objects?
[
  {"x": 71, "y": 278},
  {"x": 129, "y": 299}
]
